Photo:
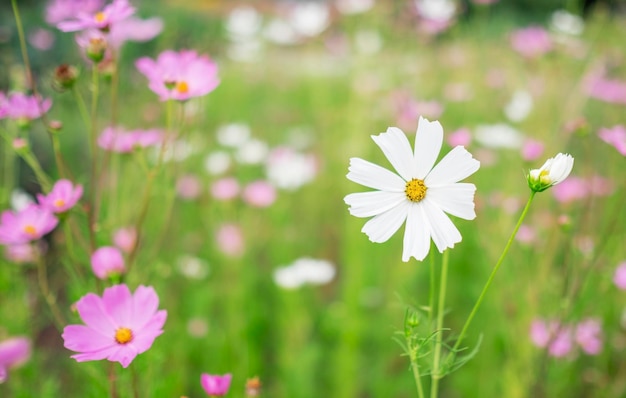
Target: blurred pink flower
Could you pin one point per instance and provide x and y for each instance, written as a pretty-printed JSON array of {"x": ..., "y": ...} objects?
[
  {"x": 119, "y": 325},
  {"x": 134, "y": 29},
  {"x": 607, "y": 90},
  {"x": 63, "y": 10},
  {"x": 20, "y": 106},
  {"x": 41, "y": 39},
  {"x": 179, "y": 75},
  {"x": 571, "y": 189},
  {"x": 532, "y": 150},
  {"x": 408, "y": 109},
  {"x": 615, "y": 136},
  {"x": 259, "y": 194},
  {"x": 111, "y": 14},
  {"x": 13, "y": 352},
  {"x": 484, "y": 2},
  {"x": 462, "y": 137},
  {"x": 188, "y": 187},
  {"x": 107, "y": 261},
  {"x": 63, "y": 196},
  {"x": 21, "y": 253},
  {"x": 600, "y": 186},
  {"x": 531, "y": 42},
  {"x": 588, "y": 336},
  {"x": 116, "y": 139},
  {"x": 619, "y": 278},
  {"x": 435, "y": 16},
  {"x": 526, "y": 234},
  {"x": 125, "y": 239},
  {"x": 215, "y": 385},
  {"x": 26, "y": 225},
  {"x": 557, "y": 338},
  {"x": 230, "y": 239},
  {"x": 94, "y": 43},
  {"x": 225, "y": 188}
]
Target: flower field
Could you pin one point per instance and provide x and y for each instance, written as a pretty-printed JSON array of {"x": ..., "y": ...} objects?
[{"x": 350, "y": 198}]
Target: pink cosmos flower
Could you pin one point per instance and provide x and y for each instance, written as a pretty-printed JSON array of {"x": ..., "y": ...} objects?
[
  {"x": 13, "y": 352},
  {"x": 134, "y": 29},
  {"x": 41, "y": 39},
  {"x": 619, "y": 278},
  {"x": 532, "y": 150},
  {"x": 557, "y": 338},
  {"x": 63, "y": 10},
  {"x": 215, "y": 385},
  {"x": 462, "y": 137},
  {"x": 259, "y": 194},
  {"x": 118, "y": 326},
  {"x": 63, "y": 196},
  {"x": 188, "y": 187},
  {"x": 179, "y": 75},
  {"x": 526, "y": 234},
  {"x": 615, "y": 136},
  {"x": 531, "y": 42},
  {"x": 608, "y": 90},
  {"x": 125, "y": 239},
  {"x": 111, "y": 14},
  {"x": 107, "y": 261},
  {"x": 118, "y": 140},
  {"x": 571, "y": 189},
  {"x": 225, "y": 188},
  {"x": 230, "y": 239},
  {"x": 588, "y": 336},
  {"x": 20, "y": 106},
  {"x": 26, "y": 225},
  {"x": 21, "y": 254}
]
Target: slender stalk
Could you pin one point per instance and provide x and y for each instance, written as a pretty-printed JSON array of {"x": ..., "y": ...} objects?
[
  {"x": 443, "y": 282},
  {"x": 135, "y": 377},
  {"x": 113, "y": 380},
  {"x": 20, "y": 32},
  {"x": 493, "y": 274},
  {"x": 431, "y": 293},
  {"x": 416, "y": 372},
  {"x": 93, "y": 194},
  {"x": 42, "y": 278},
  {"x": 82, "y": 108}
]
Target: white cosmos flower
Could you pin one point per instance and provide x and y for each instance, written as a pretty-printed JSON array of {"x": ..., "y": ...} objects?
[
  {"x": 553, "y": 171},
  {"x": 420, "y": 193}
]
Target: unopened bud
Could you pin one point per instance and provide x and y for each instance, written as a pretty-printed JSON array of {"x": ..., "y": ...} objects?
[
  {"x": 55, "y": 125},
  {"x": 96, "y": 48},
  {"x": 20, "y": 144},
  {"x": 65, "y": 76}
]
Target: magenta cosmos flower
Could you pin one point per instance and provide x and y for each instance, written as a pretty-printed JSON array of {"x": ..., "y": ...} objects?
[
  {"x": 215, "y": 385},
  {"x": 531, "y": 42},
  {"x": 118, "y": 325},
  {"x": 20, "y": 106},
  {"x": 63, "y": 196},
  {"x": 107, "y": 261},
  {"x": 64, "y": 10},
  {"x": 103, "y": 19},
  {"x": 13, "y": 352},
  {"x": 25, "y": 225},
  {"x": 179, "y": 75}
]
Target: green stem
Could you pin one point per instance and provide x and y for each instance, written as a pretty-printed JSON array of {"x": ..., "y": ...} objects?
[
  {"x": 431, "y": 294},
  {"x": 20, "y": 31},
  {"x": 93, "y": 196},
  {"x": 42, "y": 278},
  {"x": 436, "y": 375},
  {"x": 82, "y": 108},
  {"x": 493, "y": 274},
  {"x": 416, "y": 375}
]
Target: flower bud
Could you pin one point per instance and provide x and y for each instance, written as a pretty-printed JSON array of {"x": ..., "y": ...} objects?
[
  {"x": 553, "y": 171},
  {"x": 65, "y": 76}
]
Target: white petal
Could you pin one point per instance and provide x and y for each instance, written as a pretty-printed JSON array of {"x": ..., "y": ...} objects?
[
  {"x": 428, "y": 140},
  {"x": 368, "y": 204},
  {"x": 443, "y": 231},
  {"x": 416, "y": 234},
  {"x": 455, "y": 166},
  {"x": 373, "y": 176},
  {"x": 397, "y": 149},
  {"x": 380, "y": 228},
  {"x": 455, "y": 199}
]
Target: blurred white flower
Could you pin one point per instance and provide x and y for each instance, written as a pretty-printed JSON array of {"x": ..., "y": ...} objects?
[
  {"x": 192, "y": 267},
  {"x": 252, "y": 151},
  {"x": 279, "y": 31},
  {"x": 499, "y": 136},
  {"x": 245, "y": 51},
  {"x": 436, "y": 10},
  {"x": 519, "y": 107},
  {"x": 217, "y": 162},
  {"x": 20, "y": 199},
  {"x": 289, "y": 169},
  {"x": 354, "y": 6},
  {"x": 567, "y": 23},
  {"x": 174, "y": 151},
  {"x": 233, "y": 135},
  {"x": 368, "y": 42},
  {"x": 304, "y": 271},
  {"x": 243, "y": 23},
  {"x": 310, "y": 19}
]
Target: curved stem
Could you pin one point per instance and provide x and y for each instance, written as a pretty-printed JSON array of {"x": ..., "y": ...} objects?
[
  {"x": 443, "y": 282},
  {"x": 493, "y": 274},
  {"x": 93, "y": 197},
  {"x": 42, "y": 278},
  {"x": 20, "y": 32}
]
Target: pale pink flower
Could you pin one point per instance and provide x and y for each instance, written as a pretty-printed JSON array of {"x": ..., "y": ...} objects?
[
  {"x": 41, "y": 39},
  {"x": 21, "y": 253},
  {"x": 462, "y": 137},
  {"x": 619, "y": 278},
  {"x": 179, "y": 75},
  {"x": 107, "y": 261},
  {"x": 556, "y": 337},
  {"x": 63, "y": 196},
  {"x": 607, "y": 90},
  {"x": 289, "y": 169},
  {"x": 64, "y": 10},
  {"x": 531, "y": 42},
  {"x": 188, "y": 187},
  {"x": 134, "y": 29},
  {"x": 562, "y": 343},
  {"x": 31, "y": 223},
  {"x": 615, "y": 136},
  {"x": 125, "y": 239},
  {"x": 118, "y": 325},
  {"x": 116, "y": 139},
  {"x": 600, "y": 186},
  {"x": 13, "y": 352},
  {"x": 259, "y": 194},
  {"x": 24, "y": 107},
  {"x": 111, "y": 14},
  {"x": 571, "y": 189},
  {"x": 225, "y": 188},
  {"x": 526, "y": 234},
  {"x": 532, "y": 150},
  {"x": 589, "y": 336},
  {"x": 215, "y": 385},
  {"x": 230, "y": 239}
]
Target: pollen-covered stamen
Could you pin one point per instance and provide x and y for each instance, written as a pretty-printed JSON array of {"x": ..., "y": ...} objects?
[
  {"x": 182, "y": 87},
  {"x": 30, "y": 230},
  {"x": 415, "y": 190},
  {"x": 99, "y": 17},
  {"x": 123, "y": 335},
  {"x": 59, "y": 203}
]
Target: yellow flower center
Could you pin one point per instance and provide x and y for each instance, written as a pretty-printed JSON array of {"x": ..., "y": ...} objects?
[
  {"x": 30, "y": 230},
  {"x": 59, "y": 203},
  {"x": 182, "y": 87},
  {"x": 123, "y": 335},
  {"x": 415, "y": 190},
  {"x": 544, "y": 177},
  {"x": 99, "y": 17}
]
